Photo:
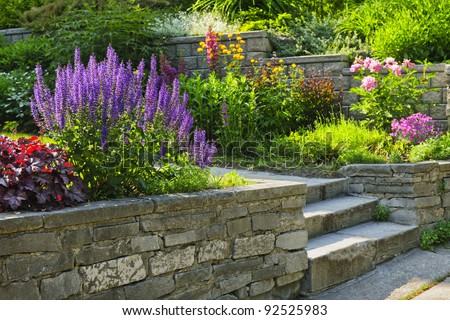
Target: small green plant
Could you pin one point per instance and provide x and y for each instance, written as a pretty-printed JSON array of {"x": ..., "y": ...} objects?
[
  {"x": 230, "y": 179},
  {"x": 439, "y": 235},
  {"x": 381, "y": 213}
]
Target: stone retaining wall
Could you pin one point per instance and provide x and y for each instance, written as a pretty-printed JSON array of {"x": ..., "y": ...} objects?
[
  {"x": 237, "y": 243},
  {"x": 416, "y": 194},
  {"x": 15, "y": 34}
]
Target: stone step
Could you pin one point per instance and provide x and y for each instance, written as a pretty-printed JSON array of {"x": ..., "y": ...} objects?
[
  {"x": 337, "y": 213},
  {"x": 341, "y": 256}
]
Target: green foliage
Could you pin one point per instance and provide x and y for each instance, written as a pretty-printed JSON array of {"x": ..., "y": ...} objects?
[
  {"x": 126, "y": 27},
  {"x": 16, "y": 88},
  {"x": 440, "y": 234},
  {"x": 25, "y": 54},
  {"x": 415, "y": 29},
  {"x": 230, "y": 8},
  {"x": 381, "y": 213},
  {"x": 433, "y": 149},
  {"x": 12, "y": 10},
  {"x": 337, "y": 141},
  {"x": 230, "y": 179}
]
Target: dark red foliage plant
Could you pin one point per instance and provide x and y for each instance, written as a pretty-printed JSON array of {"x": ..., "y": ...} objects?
[{"x": 36, "y": 176}]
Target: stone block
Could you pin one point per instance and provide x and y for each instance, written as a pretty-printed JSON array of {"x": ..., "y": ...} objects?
[
  {"x": 214, "y": 250},
  {"x": 403, "y": 216},
  {"x": 20, "y": 291},
  {"x": 296, "y": 261},
  {"x": 232, "y": 284},
  {"x": 12, "y": 223},
  {"x": 150, "y": 289},
  {"x": 112, "y": 273},
  {"x": 264, "y": 206},
  {"x": 183, "y": 222},
  {"x": 440, "y": 81},
  {"x": 178, "y": 259},
  {"x": 291, "y": 221},
  {"x": 102, "y": 252},
  {"x": 268, "y": 273},
  {"x": 239, "y": 226},
  {"x": 260, "y": 287},
  {"x": 253, "y": 246},
  {"x": 265, "y": 221},
  {"x": 202, "y": 292},
  {"x": 30, "y": 266},
  {"x": 294, "y": 203},
  {"x": 289, "y": 278},
  {"x": 145, "y": 243},
  {"x": 116, "y": 231},
  {"x": 446, "y": 199},
  {"x": 429, "y": 215},
  {"x": 231, "y": 213},
  {"x": 227, "y": 269},
  {"x": 77, "y": 238},
  {"x": 363, "y": 170},
  {"x": 61, "y": 286},
  {"x": 113, "y": 294},
  {"x": 190, "y": 277},
  {"x": 216, "y": 231},
  {"x": 433, "y": 96},
  {"x": 184, "y": 237},
  {"x": 292, "y": 240},
  {"x": 259, "y": 45},
  {"x": 30, "y": 242}
]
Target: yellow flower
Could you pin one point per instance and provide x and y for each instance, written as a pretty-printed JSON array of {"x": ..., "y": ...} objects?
[
  {"x": 252, "y": 61},
  {"x": 200, "y": 50},
  {"x": 203, "y": 44},
  {"x": 268, "y": 64},
  {"x": 242, "y": 41},
  {"x": 293, "y": 65},
  {"x": 222, "y": 47},
  {"x": 238, "y": 38},
  {"x": 233, "y": 50},
  {"x": 281, "y": 61},
  {"x": 240, "y": 50},
  {"x": 238, "y": 33},
  {"x": 230, "y": 35},
  {"x": 232, "y": 45},
  {"x": 220, "y": 34}
]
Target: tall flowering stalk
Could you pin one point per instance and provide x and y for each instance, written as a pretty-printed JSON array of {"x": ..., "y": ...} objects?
[
  {"x": 389, "y": 90},
  {"x": 111, "y": 123}
]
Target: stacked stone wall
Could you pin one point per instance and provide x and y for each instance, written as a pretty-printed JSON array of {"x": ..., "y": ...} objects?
[
  {"x": 416, "y": 194},
  {"x": 237, "y": 243}
]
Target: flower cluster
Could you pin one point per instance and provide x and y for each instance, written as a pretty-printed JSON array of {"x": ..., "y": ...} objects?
[
  {"x": 214, "y": 48},
  {"x": 415, "y": 128},
  {"x": 375, "y": 66},
  {"x": 36, "y": 176},
  {"x": 113, "y": 126}
]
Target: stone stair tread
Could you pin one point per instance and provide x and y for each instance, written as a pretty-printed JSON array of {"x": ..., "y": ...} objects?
[
  {"x": 331, "y": 242},
  {"x": 333, "y": 205},
  {"x": 334, "y": 214},
  {"x": 377, "y": 230}
]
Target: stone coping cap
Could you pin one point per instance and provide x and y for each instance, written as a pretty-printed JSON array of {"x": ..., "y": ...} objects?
[
  {"x": 92, "y": 212},
  {"x": 193, "y": 39}
]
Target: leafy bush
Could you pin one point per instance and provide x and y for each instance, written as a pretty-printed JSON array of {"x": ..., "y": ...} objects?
[
  {"x": 402, "y": 29},
  {"x": 25, "y": 54},
  {"x": 416, "y": 128},
  {"x": 121, "y": 136},
  {"x": 12, "y": 10},
  {"x": 34, "y": 176},
  {"x": 16, "y": 88},
  {"x": 386, "y": 93},
  {"x": 126, "y": 27}
]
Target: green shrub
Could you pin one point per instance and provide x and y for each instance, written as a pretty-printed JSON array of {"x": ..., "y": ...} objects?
[
  {"x": 16, "y": 88},
  {"x": 12, "y": 10},
  {"x": 126, "y": 27},
  {"x": 25, "y": 54},
  {"x": 416, "y": 29}
]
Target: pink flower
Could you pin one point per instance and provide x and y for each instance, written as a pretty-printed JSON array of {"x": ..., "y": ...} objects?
[
  {"x": 390, "y": 61},
  {"x": 408, "y": 64},
  {"x": 355, "y": 67},
  {"x": 375, "y": 66},
  {"x": 369, "y": 83},
  {"x": 396, "y": 69},
  {"x": 367, "y": 62}
]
